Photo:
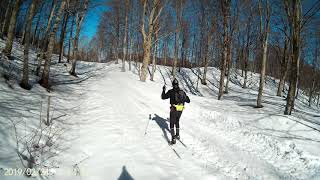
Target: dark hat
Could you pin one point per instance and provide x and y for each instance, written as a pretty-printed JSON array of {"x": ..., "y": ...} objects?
[{"x": 175, "y": 82}]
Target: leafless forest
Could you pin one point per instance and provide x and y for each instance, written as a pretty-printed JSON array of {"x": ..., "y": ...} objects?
[{"x": 277, "y": 38}]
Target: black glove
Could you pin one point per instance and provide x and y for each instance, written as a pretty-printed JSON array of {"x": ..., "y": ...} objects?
[{"x": 164, "y": 88}]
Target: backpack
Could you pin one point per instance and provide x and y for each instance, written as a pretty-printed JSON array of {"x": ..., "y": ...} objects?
[{"x": 180, "y": 97}]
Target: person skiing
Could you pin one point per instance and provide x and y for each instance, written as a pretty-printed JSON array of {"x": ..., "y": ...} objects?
[{"x": 177, "y": 99}]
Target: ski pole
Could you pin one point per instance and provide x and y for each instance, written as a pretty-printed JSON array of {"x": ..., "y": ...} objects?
[{"x": 145, "y": 131}]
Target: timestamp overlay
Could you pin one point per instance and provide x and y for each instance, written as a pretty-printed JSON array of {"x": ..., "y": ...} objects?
[{"x": 24, "y": 171}]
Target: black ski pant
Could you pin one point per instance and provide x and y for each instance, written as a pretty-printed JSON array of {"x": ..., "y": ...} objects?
[{"x": 174, "y": 120}]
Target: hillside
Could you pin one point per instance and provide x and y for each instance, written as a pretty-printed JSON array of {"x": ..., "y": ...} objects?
[{"x": 102, "y": 129}]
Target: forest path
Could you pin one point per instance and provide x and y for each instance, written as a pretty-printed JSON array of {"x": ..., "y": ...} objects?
[{"x": 109, "y": 140}]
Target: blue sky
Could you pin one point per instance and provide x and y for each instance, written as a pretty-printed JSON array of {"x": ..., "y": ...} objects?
[{"x": 92, "y": 18}]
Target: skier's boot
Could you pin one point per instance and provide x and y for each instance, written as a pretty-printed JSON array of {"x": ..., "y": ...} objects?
[
  {"x": 177, "y": 136},
  {"x": 173, "y": 140}
]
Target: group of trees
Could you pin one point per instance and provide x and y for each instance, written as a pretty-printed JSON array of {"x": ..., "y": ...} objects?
[
  {"x": 278, "y": 38},
  {"x": 46, "y": 26}
]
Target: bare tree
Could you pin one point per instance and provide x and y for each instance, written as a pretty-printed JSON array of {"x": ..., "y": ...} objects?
[
  {"x": 264, "y": 35},
  {"x": 313, "y": 74},
  {"x": 70, "y": 39},
  {"x": 62, "y": 35},
  {"x": 39, "y": 18},
  {"x": 157, "y": 28},
  {"x": 294, "y": 14},
  {"x": 208, "y": 25},
  {"x": 207, "y": 52},
  {"x": 12, "y": 26},
  {"x": 178, "y": 7},
  {"x": 152, "y": 16},
  {"x": 233, "y": 28},
  {"x": 246, "y": 50},
  {"x": 6, "y": 19},
  {"x": 46, "y": 70},
  {"x": 25, "y": 78},
  {"x": 125, "y": 39},
  {"x": 284, "y": 67},
  {"x": 44, "y": 41},
  {"x": 115, "y": 4},
  {"x": 49, "y": 22},
  {"x": 225, "y": 7},
  {"x": 80, "y": 14}
]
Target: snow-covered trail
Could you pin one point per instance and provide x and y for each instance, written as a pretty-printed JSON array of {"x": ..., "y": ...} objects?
[
  {"x": 109, "y": 140},
  {"x": 104, "y": 113}
]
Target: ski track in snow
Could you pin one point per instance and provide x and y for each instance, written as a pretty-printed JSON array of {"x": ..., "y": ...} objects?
[
  {"x": 110, "y": 135},
  {"x": 112, "y": 140}
]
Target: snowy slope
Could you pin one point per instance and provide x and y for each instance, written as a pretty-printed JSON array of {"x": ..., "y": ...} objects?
[
  {"x": 302, "y": 127},
  {"x": 107, "y": 133},
  {"x": 220, "y": 140}
]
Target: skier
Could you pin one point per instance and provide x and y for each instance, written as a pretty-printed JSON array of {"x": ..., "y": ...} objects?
[{"x": 177, "y": 99}]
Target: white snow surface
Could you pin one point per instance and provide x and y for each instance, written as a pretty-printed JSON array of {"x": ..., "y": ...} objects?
[{"x": 107, "y": 133}]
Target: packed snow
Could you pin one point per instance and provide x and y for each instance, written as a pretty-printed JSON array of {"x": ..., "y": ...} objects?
[{"x": 110, "y": 125}]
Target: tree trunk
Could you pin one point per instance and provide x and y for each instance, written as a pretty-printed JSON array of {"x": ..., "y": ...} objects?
[
  {"x": 294, "y": 73},
  {"x": 131, "y": 36},
  {"x": 234, "y": 28},
  {"x": 284, "y": 68},
  {"x": 146, "y": 59},
  {"x": 177, "y": 37},
  {"x": 264, "y": 38},
  {"x": 118, "y": 37},
  {"x": 130, "y": 58},
  {"x": 44, "y": 41},
  {"x": 242, "y": 62},
  {"x": 311, "y": 90},
  {"x": 206, "y": 60},
  {"x": 147, "y": 37},
  {"x": 25, "y": 78},
  {"x": 245, "y": 73},
  {"x": 165, "y": 53},
  {"x": 192, "y": 60},
  {"x": 226, "y": 91},
  {"x": 46, "y": 70},
  {"x": 263, "y": 70},
  {"x": 36, "y": 30},
  {"x": 154, "y": 56},
  {"x": 175, "y": 61},
  {"x": 23, "y": 33},
  {"x": 298, "y": 81},
  {"x": 226, "y": 12},
  {"x": 136, "y": 57},
  {"x": 75, "y": 50},
  {"x": 62, "y": 35},
  {"x": 182, "y": 52},
  {"x": 79, "y": 21},
  {"x": 6, "y": 20},
  {"x": 228, "y": 66},
  {"x": 70, "y": 40},
  {"x": 125, "y": 42},
  {"x": 35, "y": 33},
  {"x": 12, "y": 26}
]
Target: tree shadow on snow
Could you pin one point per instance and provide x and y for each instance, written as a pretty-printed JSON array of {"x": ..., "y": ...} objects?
[
  {"x": 162, "y": 123},
  {"x": 125, "y": 175},
  {"x": 288, "y": 133},
  {"x": 164, "y": 79},
  {"x": 186, "y": 78}
]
